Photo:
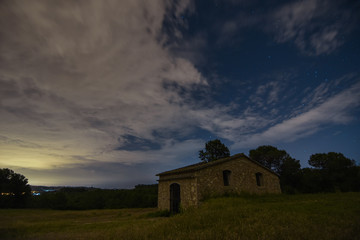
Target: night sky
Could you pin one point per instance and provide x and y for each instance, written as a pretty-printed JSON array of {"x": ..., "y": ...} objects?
[{"x": 109, "y": 93}]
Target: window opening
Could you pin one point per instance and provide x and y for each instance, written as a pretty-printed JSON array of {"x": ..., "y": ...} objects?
[
  {"x": 226, "y": 177},
  {"x": 259, "y": 179}
]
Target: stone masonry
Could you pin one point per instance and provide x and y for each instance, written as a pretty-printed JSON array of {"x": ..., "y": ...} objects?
[{"x": 207, "y": 179}]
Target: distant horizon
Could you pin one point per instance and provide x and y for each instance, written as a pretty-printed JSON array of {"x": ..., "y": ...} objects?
[
  {"x": 87, "y": 186},
  {"x": 131, "y": 187}
]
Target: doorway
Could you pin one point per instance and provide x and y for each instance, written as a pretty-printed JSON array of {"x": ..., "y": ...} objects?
[{"x": 174, "y": 198}]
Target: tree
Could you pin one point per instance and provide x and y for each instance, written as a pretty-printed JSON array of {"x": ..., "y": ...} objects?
[
  {"x": 14, "y": 189},
  {"x": 331, "y": 160},
  {"x": 269, "y": 156},
  {"x": 290, "y": 175},
  {"x": 337, "y": 171},
  {"x": 279, "y": 161},
  {"x": 214, "y": 150},
  {"x": 312, "y": 181}
]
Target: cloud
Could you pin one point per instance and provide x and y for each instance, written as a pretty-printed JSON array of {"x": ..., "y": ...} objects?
[
  {"x": 232, "y": 31},
  {"x": 135, "y": 167},
  {"x": 99, "y": 87},
  {"x": 315, "y": 27},
  {"x": 335, "y": 110},
  {"x": 293, "y": 18},
  {"x": 267, "y": 94},
  {"x": 326, "y": 41},
  {"x": 78, "y": 76}
]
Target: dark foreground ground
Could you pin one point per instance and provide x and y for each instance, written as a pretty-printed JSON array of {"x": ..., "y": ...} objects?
[{"x": 315, "y": 216}]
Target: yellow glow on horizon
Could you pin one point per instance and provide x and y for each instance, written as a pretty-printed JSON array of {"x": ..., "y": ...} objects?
[{"x": 14, "y": 156}]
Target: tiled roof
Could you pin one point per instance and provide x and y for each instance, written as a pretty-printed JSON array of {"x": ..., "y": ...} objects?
[{"x": 201, "y": 165}]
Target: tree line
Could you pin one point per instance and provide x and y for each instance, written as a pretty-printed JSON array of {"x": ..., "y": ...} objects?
[
  {"x": 16, "y": 193},
  {"x": 328, "y": 172},
  {"x": 81, "y": 198}
]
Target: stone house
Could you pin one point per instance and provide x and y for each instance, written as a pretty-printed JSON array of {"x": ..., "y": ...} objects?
[{"x": 188, "y": 185}]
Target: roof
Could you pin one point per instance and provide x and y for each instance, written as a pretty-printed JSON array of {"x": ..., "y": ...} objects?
[{"x": 202, "y": 165}]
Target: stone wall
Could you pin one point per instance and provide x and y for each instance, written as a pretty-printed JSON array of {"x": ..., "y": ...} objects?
[
  {"x": 188, "y": 191},
  {"x": 242, "y": 179},
  {"x": 208, "y": 181}
]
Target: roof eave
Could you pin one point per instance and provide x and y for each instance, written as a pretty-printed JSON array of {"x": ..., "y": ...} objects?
[{"x": 200, "y": 166}]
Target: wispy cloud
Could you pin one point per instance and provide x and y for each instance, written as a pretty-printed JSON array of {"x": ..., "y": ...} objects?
[
  {"x": 315, "y": 26},
  {"x": 335, "y": 110},
  {"x": 267, "y": 94}
]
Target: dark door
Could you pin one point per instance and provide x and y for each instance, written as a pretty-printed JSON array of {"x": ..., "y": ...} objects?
[{"x": 174, "y": 198}]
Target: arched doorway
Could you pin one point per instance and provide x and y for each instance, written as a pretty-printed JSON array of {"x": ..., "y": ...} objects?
[{"x": 175, "y": 198}]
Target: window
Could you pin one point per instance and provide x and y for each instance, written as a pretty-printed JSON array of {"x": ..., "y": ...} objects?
[
  {"x": 226, "y": 177},
  {"x": 259, "y": 179}
]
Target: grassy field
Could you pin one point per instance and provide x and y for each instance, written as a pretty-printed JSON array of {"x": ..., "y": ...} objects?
[{"x": 316, "y": 216}]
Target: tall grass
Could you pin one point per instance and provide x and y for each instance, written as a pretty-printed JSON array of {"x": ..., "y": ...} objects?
[{"x": 317, "y": 216}]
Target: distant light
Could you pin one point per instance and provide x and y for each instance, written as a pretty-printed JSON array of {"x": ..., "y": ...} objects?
[
  {"x": 7, "y": 194},
  {"x": 49, "y": 190}
]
